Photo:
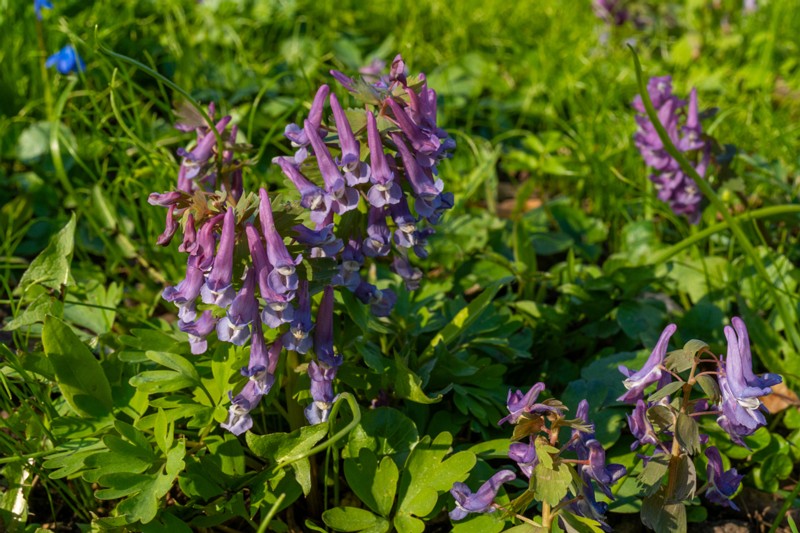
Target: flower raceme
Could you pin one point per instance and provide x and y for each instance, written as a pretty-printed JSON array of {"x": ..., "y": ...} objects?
[
  {"x": 662, "y": 422},
  {"x": 686, "y": 133},
  {"x": 249, "y": 258}
]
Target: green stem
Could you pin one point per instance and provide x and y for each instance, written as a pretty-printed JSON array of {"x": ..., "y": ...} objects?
[
  {"x": 708, "y": 192},
  {"x": 785, "y": 507},
  {"x": 765, "y": 212}
]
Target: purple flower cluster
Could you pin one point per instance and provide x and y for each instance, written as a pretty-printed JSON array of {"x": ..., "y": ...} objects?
[
  {"x": 738, "y": 409},
  {"x": 592, "y": 469},
  {"x": 686, "y": 133},
  {"x": 240, "y": 273},
  {"x": 386, "y": 154}
]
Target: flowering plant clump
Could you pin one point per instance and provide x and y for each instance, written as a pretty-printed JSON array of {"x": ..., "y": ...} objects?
[
  {"x": 563, "y": 477},
  {"x": 243, "y": 279},
  {"x": 666, "y": 422},
  {"x": 686, "y": 133}
]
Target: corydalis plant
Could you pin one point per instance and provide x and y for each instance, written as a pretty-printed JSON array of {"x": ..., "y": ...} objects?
[
  {"x": 251, "y": 283},
  {"x": 563, "y": 477},
  {"x": 686, "y": 133},
  {"x": 688, "y": 384}
]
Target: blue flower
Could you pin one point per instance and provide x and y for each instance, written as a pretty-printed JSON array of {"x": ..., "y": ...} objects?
[
  {"x": 38, "y": 5},
  {"x": 66, "y": 60}
]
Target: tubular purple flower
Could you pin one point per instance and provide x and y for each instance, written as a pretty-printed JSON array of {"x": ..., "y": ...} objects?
[
  {"x": 277, "y": 310},
  {"x": 579, "y": 438},
  {"x": 198, "y": 330},
  {"x": 520, "y": 404},
  {"x": 170, "y": 229},
  {"x": 321, "y": 393},
  {"x": 398, "y": 70},
  {"x": 640, "y": 426},
  {"x": 722, "y": 485},
  {"x": 283, "y": 278},
  {"x": 205, "y": 245},
  {"x": 525, "y": 456},
  {"x": 298, "y": 337},
  {"x": 187, "y": 291},
  {"x": 650, "y": 372},
  {"x": 604, "y": 475},
  {"x": 384, "y": 190},
  {"x": 311, "y": 196},
  {"x": 421, "y": 141},
  {"x": 378, "y": 241},
  {"x": 165, "y": 199},
  {"x": 341, "y": 197},
  {"x": 481, "y": 501},
  {"x": 743, "y": 344},
  {"x": 299, "y": 136},
  {"x": 218, "y": 288},
  {"x": 588, "y": 506},
  {"x": 323, "y": 334},
  {"x": 346, "y": 81},
  {"x": 239, "y": 419},
  {"x": 263, "y": 361},
  {"x": 351, "y": 154},
  {"x": 235, "y": 326},
  {"x": 199, "y": 157},
  {"x": 421, "y": 183},
  {"x": 189, "y": 236}
]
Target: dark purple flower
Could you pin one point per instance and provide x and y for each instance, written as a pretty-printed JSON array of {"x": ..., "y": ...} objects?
[
  {"x": 323, "y": 334},
  {"x": 66, "y": 60},
  {"x": 378, "y": 241},
  {"x": 234, "y": 327},
  {"x": 218, "y": 288},
  {"x": 481, "y": 501},
  {"x": 283, "y": 278},
  {"x": 321, "y": 392},
  {"x": 277, "y": 310},
  {"x": 611, "y": 11},
  {"x": 722, "y": 485},
  {"x": 640, "y": 426},
  {"x": 588, "y": 506},
  {"x": 352, "y": 261},
  {"x": 298, "y": 337},
  {"x": 198, "y": 330},
  {"x": 579, "y": 438},
  {"x": 636, "y": 382},
  {"x": 425, "y": 143},
  {"x": 380, "y": 302},
  {"x": 604, "y": 475},
  {"x": 206, "y": 244},
  {"x": 411, "y": 275}
]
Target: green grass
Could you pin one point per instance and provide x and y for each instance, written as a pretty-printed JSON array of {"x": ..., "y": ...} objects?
[{"x": 537, "y": 95}]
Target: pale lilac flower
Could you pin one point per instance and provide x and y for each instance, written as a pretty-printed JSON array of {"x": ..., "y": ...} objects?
[
  {"x": 239, "y": 419},
  {"x": 198, "y": 330},
  {"x": 637, "y": 382},
  {"x": 234, "y": 327}
]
